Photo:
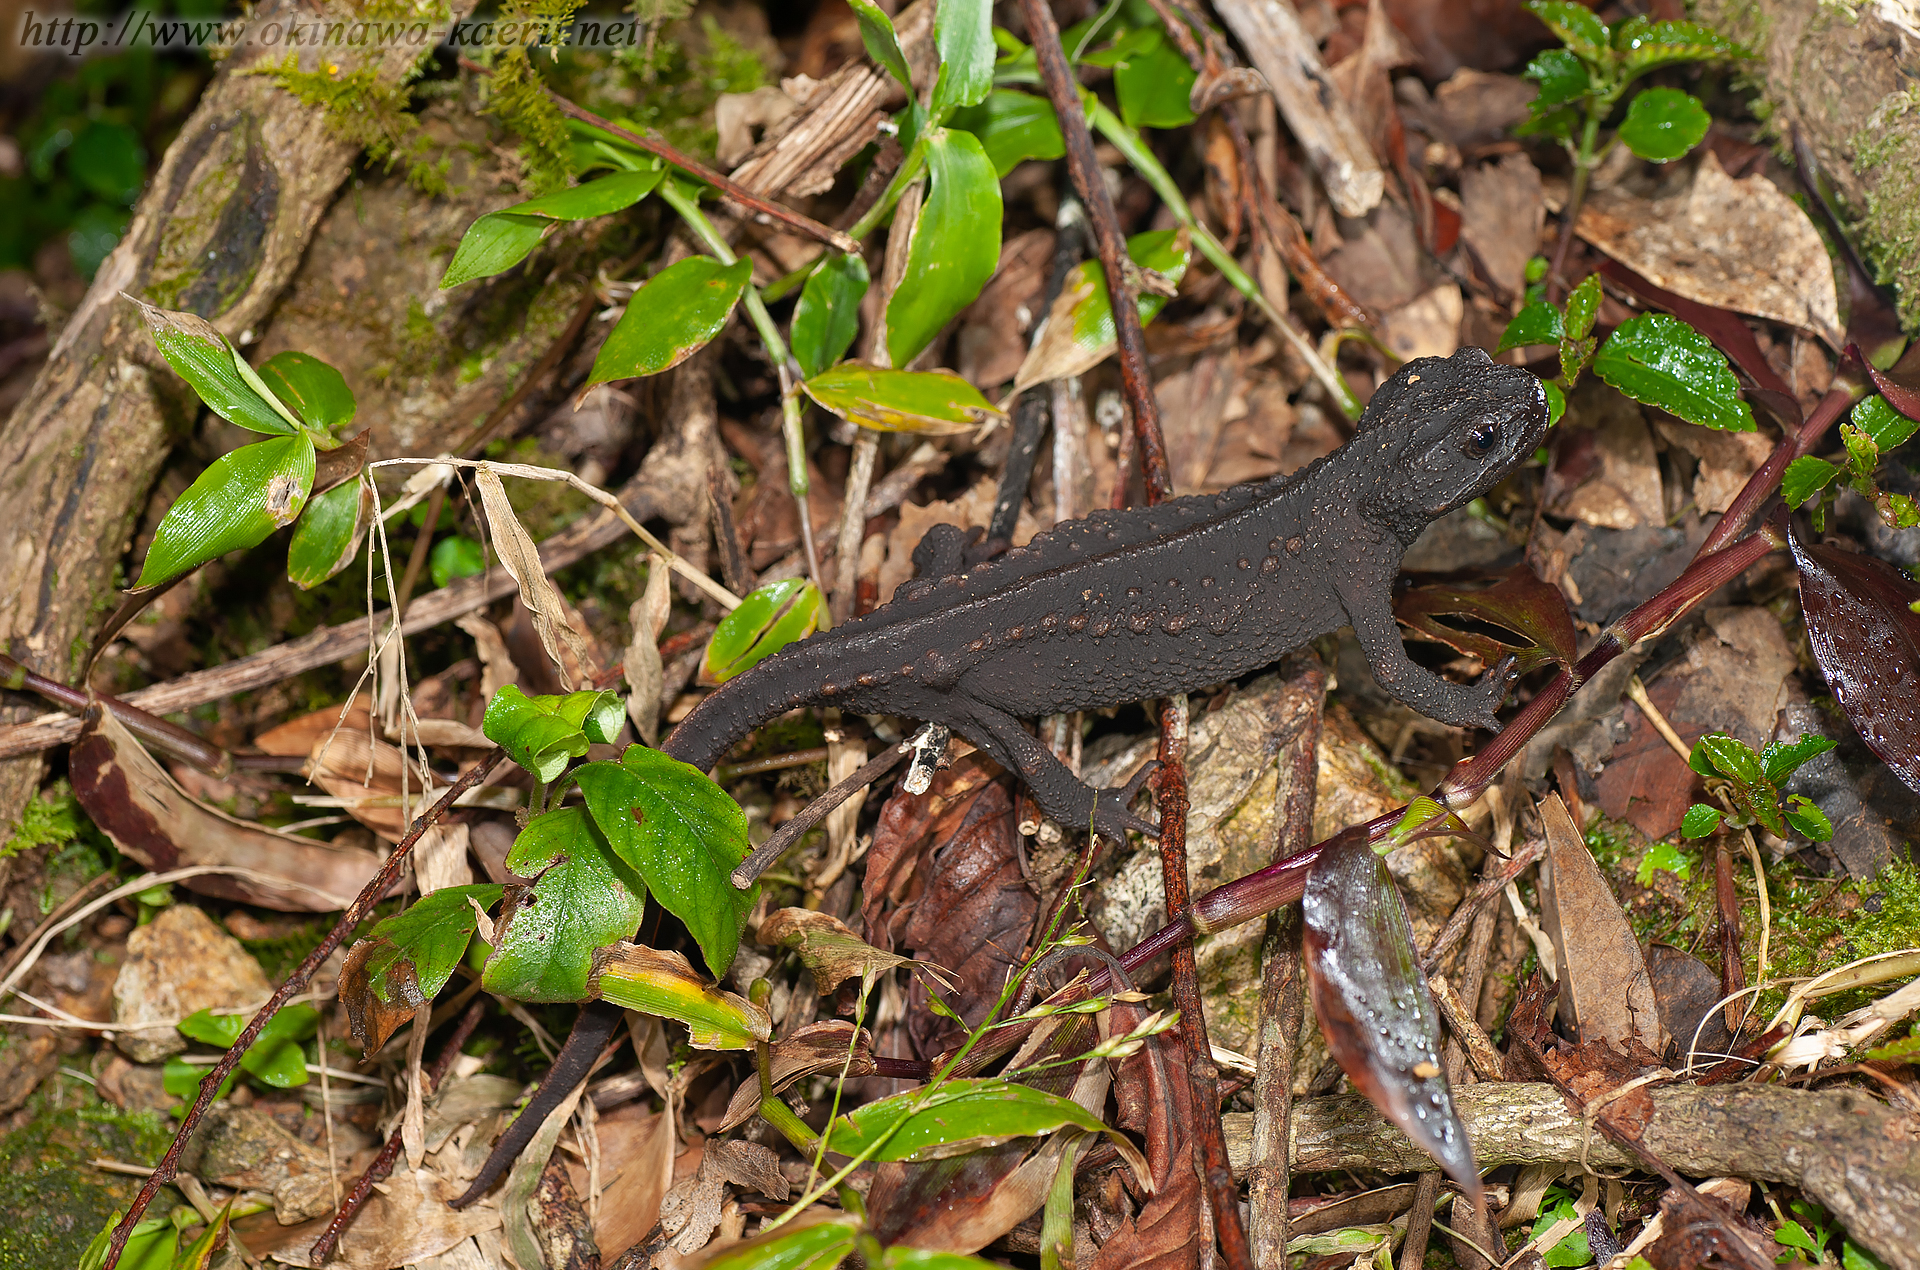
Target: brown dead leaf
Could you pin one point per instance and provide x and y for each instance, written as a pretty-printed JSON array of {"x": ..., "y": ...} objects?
[
  {"x": 824, "y": 1048},
  {"x": 1727, "y": 460},
  {"x": 137, "y": 803},
  {"x": 496, "y": 663},
  {"x": 1426, "y": 326},
  {"x": 827, "y": 945},
  {"x": 368, "y": 773},
  {"x": 1741, "y": 245},
  {"x": 1166, "y": 1234},
  {"x": 521, "y": 558},
  {"x": 907, "y": 822},
  {"x": 1606, "y": 994},
  {"x": 1605, "y": 471},
  {"x": 1502, "y": 211},
  {"x": 975, "y": 507},
  {"x": 298, "y": 736},
  {"x": 1193, "y": 409},
  {"x": 993, "y": 330},
  {"x": 636, "y": 1162},
  {"x": 736, "y": 115},
  {"x": 1476, "y": 107},
  {"x": 407, "y": 1221},
  {"x": 644, "y": 671}
]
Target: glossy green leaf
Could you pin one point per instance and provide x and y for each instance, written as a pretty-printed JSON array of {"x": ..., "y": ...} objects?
[
  {"x": 203, "y": 357},
  {"x": 636, "y": 977},
  {"x": 412, "y": 954},
  {"x": 671, "y": 318},
  {"x": 1536, "y": 323},
  {"x": 1700, "y": 821},
  {"x": 1080, "y": 332},
  {"x": 544, "y": 733},
  {"x": 1153, "y": 83},
  {"x": 683, "y": 835},
  {"x": 1782, "y": 759},
  {"x": 275, "y": 1057},
  {"x": 901, "y": 1257},
  {"x": 1887, "y": 426},
  {"x": 1644, "y": 44},
  {"x": 934, "y": 401},
  {"x": 1663, "y": 362},
  {"x": 958, "y": 1117},
  {"x": 1013, "y": 127},
  {"x": 963, "y": 34},
  {"x": 1662, "y": 124},
  {"x": 309, "y": 387},
  {"x": 151, "y": 1246},
  {"x": 500, "y": 240},
  {"x": 798, "y": 1245},
  {"x": 1583, "y": 305},
  {"x": 1570, "y": 1251},
  {"x": 1664, "y": 857},
  {"x": 327, "y": 535},
  {"x": 241, "y": 498},
  {"x": 1556, "y": 401},
  {"x": 1805, "y": 477},
  {"x": 883, "y": 44},
  {"x": 1562, "y": 78},
  {"x": 457, "y": 556},
  {"x": 1804, "y": 816},
  {"x": 1576, "y": 26},
  {"x": 767, "y": 621},
  {"x": 826, "y": 318},
  {"x": 1717, "y": 754},
  {"x": 955, "y": 245},
  {"x": 584, "y": 897}
]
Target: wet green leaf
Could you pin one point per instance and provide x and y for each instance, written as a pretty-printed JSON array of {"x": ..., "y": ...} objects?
[
  {"x": 1570, "y": 1251},
  {"x": 275, "y": 1057},
  {"x": 203, "y": 357},
  {"x": 883, "y": 45},
  {"x": 327, "y": 535},
  {"x": 955, "y": 245},
  {"x": 544, "y": 733},
  {"x": 1805, "y": 477},
  {"x": 406, "y": 959},
  {"x": 1556, "y": 401},
  {"x": 1583, "y": 305},
  {"x": 1803, "y": 815},
  {"x": 963, "y": 34},
  {"x": 1663, "y": 362},
  {"x": 240, "y": 499},
  {"x": 1782, "y": 759},
  {"x": 1576, "y": 26},
  {"x": 935, "y": 401},
  {"x": 1536, "y": 323},
  {"x": 1562, "y": 78},
  {"x": 457, "y": 556},
  {"x": 671, "y": 318},
  {"x": 1644, "y": 44},
  {"x": 1662, "y": 124},
  {"x": 1717, "y": 754},
  {"x": 1013, "y": 127},
  {"x": 683, "y": 835},
  {"x": 1153, "y": 83},
  {"x": 584, "y": 897},
  {"x": 1664, "y": 857},
  {"x": 309, "y": 387},
  {"x": 1700, "y": 821},
  {"x": 826, "y": 318},
  {"x": 958, "y": 1117},
  {"x": 1887, "y": 426},
  {"x": 500, "y": 240},
  {"x": 767, "y": 621}
]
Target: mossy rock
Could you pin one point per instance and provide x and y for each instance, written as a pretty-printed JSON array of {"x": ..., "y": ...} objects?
[{"x": 55, "y": 1201}]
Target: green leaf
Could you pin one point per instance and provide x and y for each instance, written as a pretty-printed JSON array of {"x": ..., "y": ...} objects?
[
  {"x": 1782, "y": 759},
  {"x": 1854, "y": 1257},
  {"x": 1153, "y": 84},
  {"x": 202, "y": 357},
  {"x": 181, "y": 1079},
  {"x": 883, "y": 45},
  {"x": 240, "y": 499},
  {"x": 1645, "y": 44},
  {"x": 108, "y": 159},
  {"x": 500, "y": 240},
  {"x": 1862, "y": 454},
  {"x": 955, "y": 245},
  {"x": 1663, "y": 362},
  {"x": 827, "y": 316},
  {"x": 1803, "y": 815},
  {"x": 411, "y": 955},
  {"x": 1013, "y": 127},
  {"x": 1887, "y": 426},
  {"x": 1716, "y": 753},
  {"x": 1556, "y": 401},
  {"x": 1904, "y": 1050},
  {"x": 1583, "y": 305},
  {"x": 1571, "y": 1250},
  {"x": 1664, "y": 123},
  {"x": 937, "y": 402},
  {"x": 671, "y": 318},
  {"x": 1805, "y": 477},
  {"x": 1576, "y": 26},
  {"x": 543, "y": 734},
  {"x": 1562, "y": 78},
  {"x": 774, "y": 616},
  {"x": 636, "y": 977},
  {"x": 820, "y": 1245},
  {"x": 199, "y": 1256},
  {"x": 1080, "y": 332},
  {"x": 275, "y": 1057},
  {"x": 151, "y": 1246},
  {"x": 1700, "y": 821},
  {"x": 584, "y": 897},
  {"x": 1791, "y": 1234},
  {"x": 312, "y": 389},
  {"x": 901, "y": 1257},
  {"x": 958, "y": 1117},
  {"x": 457, "y": 556},
  {"x": 1664, "y": 857},
  {"x": 1536, "y": 323},
  {"x": 963, "y": 33},
  {"x": 328, "y": 533},
  {"x": 683, "y": 835}
]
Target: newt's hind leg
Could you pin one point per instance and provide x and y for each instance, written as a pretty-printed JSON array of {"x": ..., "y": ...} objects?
[{"x": 1061, "y": 794}]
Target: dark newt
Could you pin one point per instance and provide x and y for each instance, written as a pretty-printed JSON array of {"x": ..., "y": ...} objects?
[{"x": 1127, "y": 605}]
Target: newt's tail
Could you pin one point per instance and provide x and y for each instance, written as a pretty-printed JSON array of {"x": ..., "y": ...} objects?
[{"x": 786, "y": 681}]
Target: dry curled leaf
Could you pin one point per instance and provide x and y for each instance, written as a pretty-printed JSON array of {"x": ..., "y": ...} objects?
[{"x": 521, "y": 558}]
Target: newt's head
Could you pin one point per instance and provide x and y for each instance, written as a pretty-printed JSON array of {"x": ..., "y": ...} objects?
[{"x": 1442, "y": 432}]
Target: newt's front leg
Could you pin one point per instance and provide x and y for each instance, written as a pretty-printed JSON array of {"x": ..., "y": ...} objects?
[{"x": 1463, "y": 705}]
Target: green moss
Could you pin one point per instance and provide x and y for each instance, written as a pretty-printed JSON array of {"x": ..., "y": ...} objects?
[
  {"x": 55, "y": 1201},
  {"x": 52, "y": 818},
  {"x": 1887, "y": 156},
  {"x": 369, "y": 112}
]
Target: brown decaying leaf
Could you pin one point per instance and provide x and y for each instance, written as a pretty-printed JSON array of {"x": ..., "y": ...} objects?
[
  {"x": 1740, "y": 245},
  {"x": 340, "y": 464},
  {"x": 907, "y": 823},
  {"x": 406, "y": 1222},
  {"x": 370, "y": 1019},
  {"x": 1606, "y": 993},
  {"x": 521, "y": 558},
  {"x": 827, "y": 945},
  {"x": 1502, "y": 209},
  {"x": 1519, "y": 602},
  {"x": 1605, "y": 471},
  {"x": 1867, "y": 641},
  {"x": 153, "y": 821}
]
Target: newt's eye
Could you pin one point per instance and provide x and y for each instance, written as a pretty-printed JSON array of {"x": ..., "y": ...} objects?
[{"x": 1482, "y": 439}]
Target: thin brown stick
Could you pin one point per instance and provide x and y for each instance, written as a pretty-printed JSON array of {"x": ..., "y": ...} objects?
[
  {"x": 1122, "y": 280},
  {"x": 417, "y": 558},
  {"x": 733, "y": 561},
  {"x": 382, "y": 1165},
  {"x": 1426, "y": 1189},
  {"x": 816, "y": 811},
  {"x": 170, "y": 738},
  {"x": 296, "y": 982}
]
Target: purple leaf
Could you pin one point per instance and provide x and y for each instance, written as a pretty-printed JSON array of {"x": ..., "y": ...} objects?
[
  {"x": 1373, "y": 1002},
  {"x": 1867, "y": 641},
  {"x": 1518, "y": 602},
  {"x": 1902, "y": 398},
  {"x": 1728, "y": 332}
]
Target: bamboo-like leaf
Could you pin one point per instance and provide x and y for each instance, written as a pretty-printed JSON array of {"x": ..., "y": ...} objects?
[
  {"x": 774, "y": 616},
  {"x": 328, "y": 534},
  {"x": 827, "y": 316},
  {"x": 500, "y": 240},
  {"x": 204, "y": 358},
  {"x": 955, "y": 245},
  {"x": 240, "y": 499},
  {"x": 671, "y": 318},
  {"x": 936, "y": 402},
  {"x": 664, "y": 983},
  {"x": 963, "y": 34},
  {"x": 959, "y": 1117},
  {"x": 310, "y": 388}
]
